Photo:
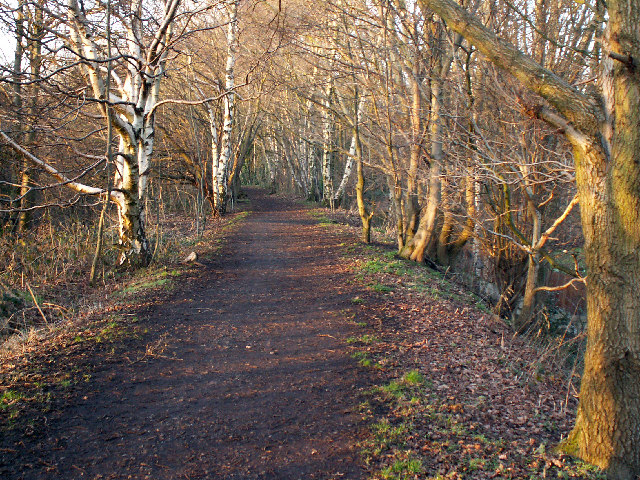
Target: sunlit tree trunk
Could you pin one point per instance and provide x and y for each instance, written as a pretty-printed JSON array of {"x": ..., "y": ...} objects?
[
  {"x": 28, "y": 174},
  {"x": 328, "y": 148},
  {"x": 311, "y": 155},
  {"x": 413, "y": 204},
  {"x": 426, "y": 236},
  {"x": 449, "y": 248},
  {"x": 416, "y": 249},
  {"x": 350, "y": 159},
  {"x": 606, "y": 146},
  {"x": 222, "y": 161},
  {"x": 305, "y": 167},
  {"x": 215, "y": 154},
  {"x": 365, "y": 215},
  {"x": 448, "y": 244},
  {"x": 134, "y": 105},
  {"x": 348, "y": 169},
  {"x": 533, "y": 269},
  {"x": 134, "y": 245},
  {"x": 395, "y": 191}
]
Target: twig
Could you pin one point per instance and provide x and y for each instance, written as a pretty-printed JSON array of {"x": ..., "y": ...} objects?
[
  {"x": 628, "y": 60},
  {"x": 561, "y": 287},
  {"x": 60, "y": 308},
  {"x": 36, "y": 303}
]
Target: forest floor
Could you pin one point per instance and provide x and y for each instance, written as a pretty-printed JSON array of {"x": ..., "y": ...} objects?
[{"x": 291, "y": 352}]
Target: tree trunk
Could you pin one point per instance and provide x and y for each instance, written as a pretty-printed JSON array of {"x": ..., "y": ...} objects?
[
  {"x": 17, "y": 101},
  {"x": 365, "y": 216},
  {"x": 606, "y": 143},
  {"x": 442, "y": 249},
  {"x": 221, "y": 163},
  {"x": 348, "y": 168},
  {"x": 272, "y": 166},
  {"x": 135, "y": 102},
  {"x": 395, "y": 189},
  {"x": 413, "y": 204},
  {"x": 350, "y": 160},
  {"x": 29, "y": 175},
  {"x": 454, "y": 248},
  {"x": 327, "y": 148},
  {"x": 607, "y": 429},
  {"x": 416, "y": 249},
  {"x": 135, "y": 251},
  {"x": 526, "y": 315}
]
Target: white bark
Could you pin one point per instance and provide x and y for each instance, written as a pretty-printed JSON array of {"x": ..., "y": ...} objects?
[
  {"x": 75, "y": 185},
  {"x": 134, "y": 100},
  {"x": 348, "y": 168},
  {"x": 272, "y": 164},
  {"x": 327, "y": 146},
  {"x": 221, "y": 162}
]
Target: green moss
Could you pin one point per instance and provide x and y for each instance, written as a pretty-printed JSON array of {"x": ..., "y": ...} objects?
[
  {"x": 10, "y": 398},
  {"x": 413, "y": 377},
  {"x": 570, "y": 445},
  {"x": 401, "y": 469},
  {"x": 378, "y": 287}
]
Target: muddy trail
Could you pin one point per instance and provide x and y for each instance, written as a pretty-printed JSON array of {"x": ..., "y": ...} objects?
[{"x": 242, "y": 372}]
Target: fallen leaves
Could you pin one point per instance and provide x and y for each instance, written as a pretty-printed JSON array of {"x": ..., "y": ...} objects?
[{"x": 480, "y": 413}]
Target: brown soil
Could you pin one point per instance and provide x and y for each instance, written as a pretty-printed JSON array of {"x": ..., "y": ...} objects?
[{"x": 243, "y": 372}]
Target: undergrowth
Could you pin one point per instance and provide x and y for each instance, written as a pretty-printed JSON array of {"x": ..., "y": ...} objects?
[
  {"x": 383, "y": 270},
  {"x": 415, "y": 433},
  {"x": 44, "y": 271},
  {"x": 91, "y": 319},
  {"x": 417, "y": 428}
]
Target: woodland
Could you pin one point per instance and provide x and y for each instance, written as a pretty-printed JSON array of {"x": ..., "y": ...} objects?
[{"x": 493, "y": 141}]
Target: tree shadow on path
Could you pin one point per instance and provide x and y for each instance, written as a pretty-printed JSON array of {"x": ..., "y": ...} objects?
[{"x": 250, "y": 377}]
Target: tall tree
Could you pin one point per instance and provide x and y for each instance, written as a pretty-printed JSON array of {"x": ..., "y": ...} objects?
[
  {"x": 604, "y": 131},
  {"x": 30, "y": 30},
  {"x": 222, "y": 158}
]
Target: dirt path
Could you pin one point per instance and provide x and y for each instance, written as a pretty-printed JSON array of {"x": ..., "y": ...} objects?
[{"x": 254, "y": 380}]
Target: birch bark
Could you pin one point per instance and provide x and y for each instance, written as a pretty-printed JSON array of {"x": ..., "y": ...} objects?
[
  {"x": 223, "y": 159},
  {"x": 134, "y": 103}
]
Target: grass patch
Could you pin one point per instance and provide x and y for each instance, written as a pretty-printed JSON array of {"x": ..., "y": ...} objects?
[
  {"x": 322, "y": 218},
  {"x": 362, "y": 358},
  {"x": 403, "y": 469},
  {"x": 380, "y": 288},
  {"x": 365, "y": 339},
  {"x": 413, "y": 377},
  {"x": 9, "y": 398},
  {"x": 387, "y": 435},
  {"x": 382, "y": 263},
  {"x": 161, "y": 278},
  {"x": 65, "y": 382}
]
